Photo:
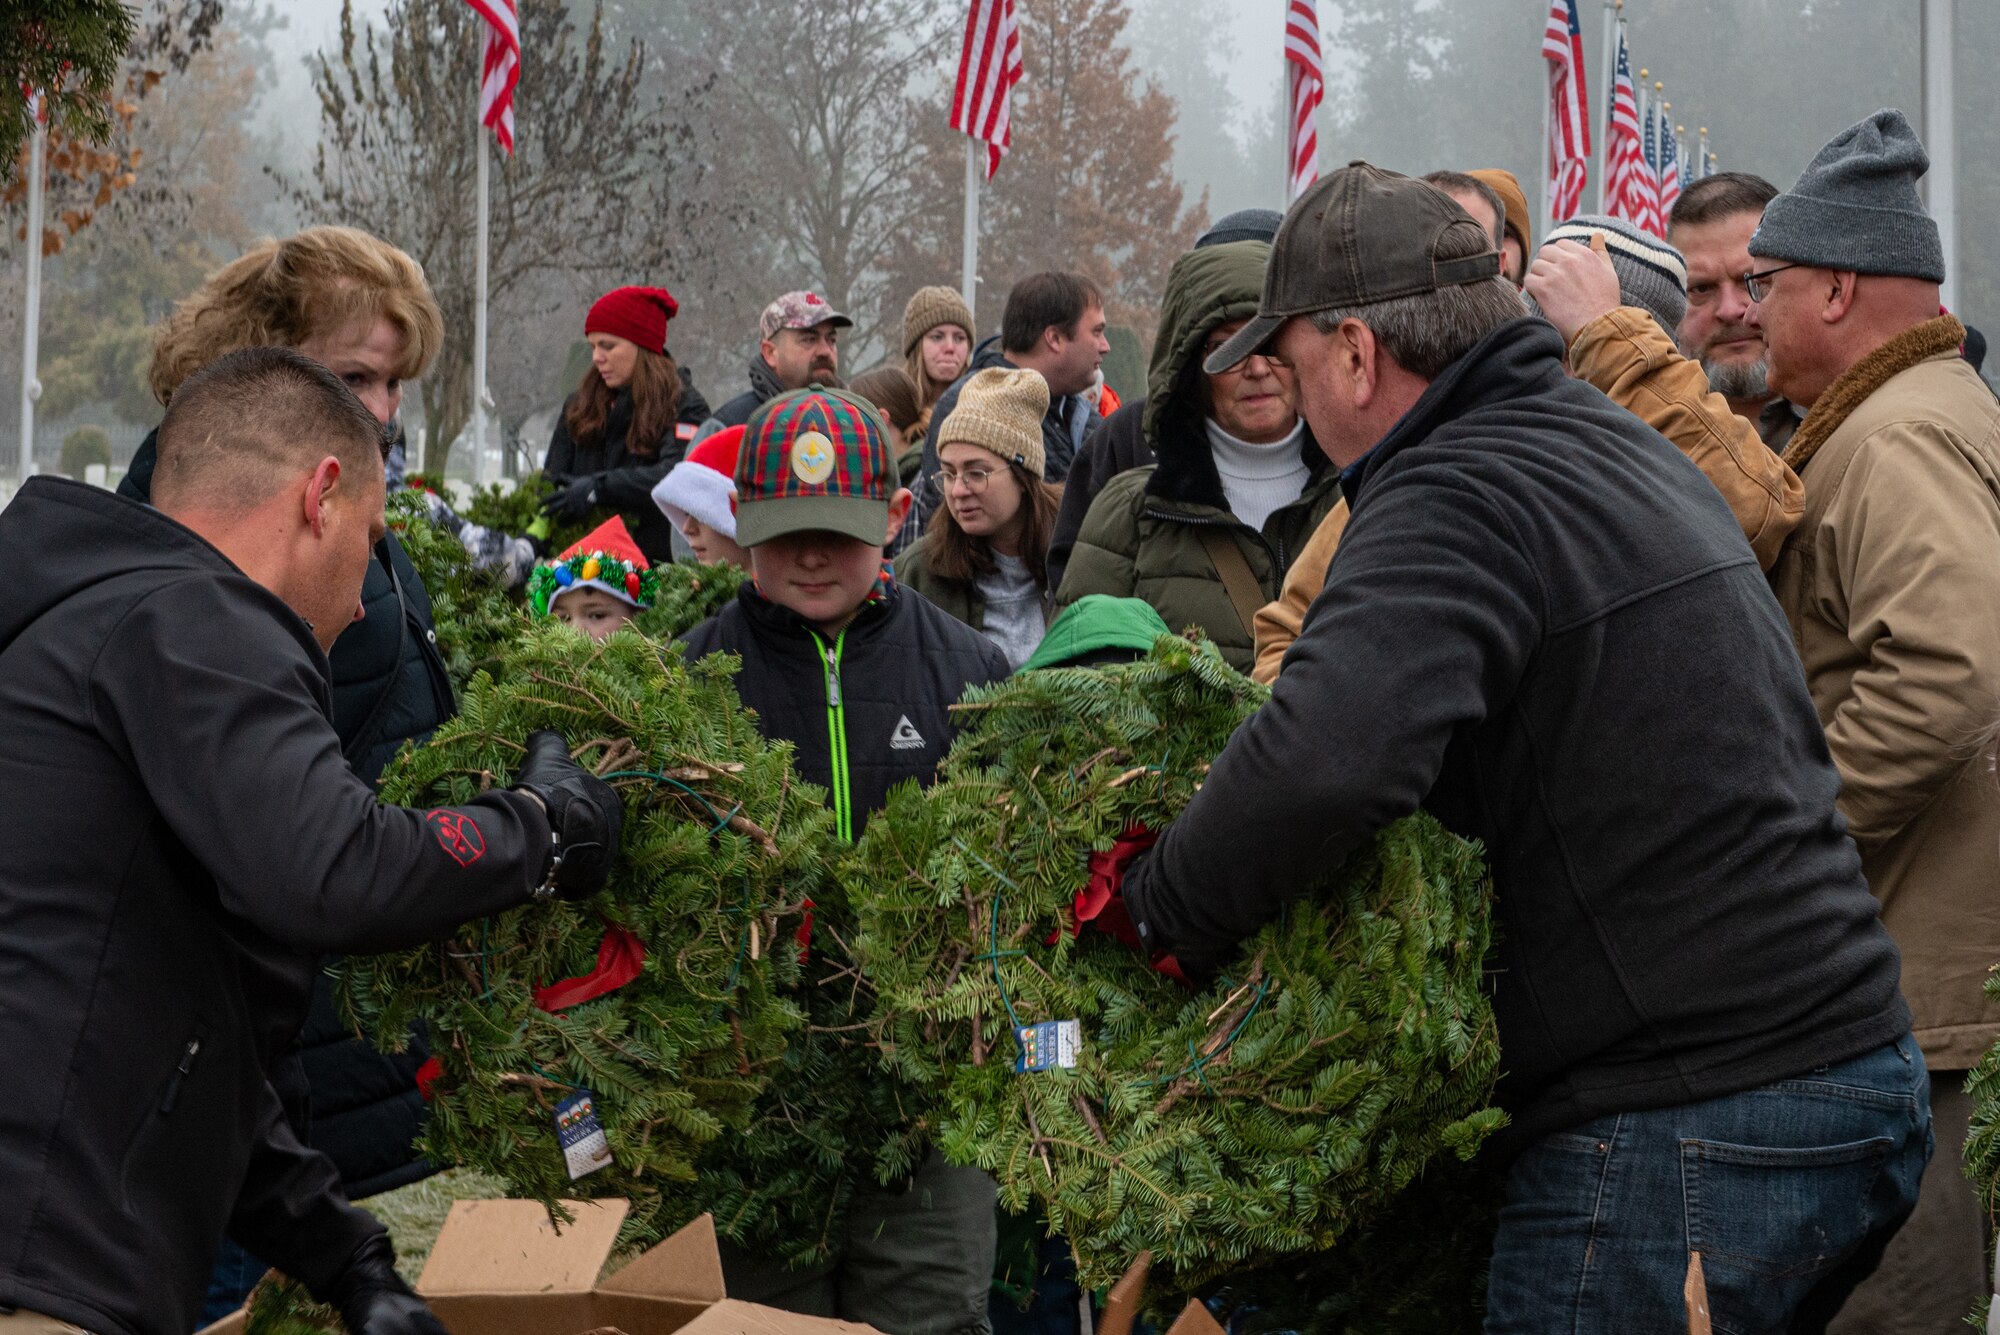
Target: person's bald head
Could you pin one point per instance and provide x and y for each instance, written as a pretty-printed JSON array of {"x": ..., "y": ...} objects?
[{"x": 251, "y": 423}]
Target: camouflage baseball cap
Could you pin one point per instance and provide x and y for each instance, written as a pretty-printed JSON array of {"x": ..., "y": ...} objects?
[
  {"x": 814, "y": 459},
  {"x": 799, "y": 310}
]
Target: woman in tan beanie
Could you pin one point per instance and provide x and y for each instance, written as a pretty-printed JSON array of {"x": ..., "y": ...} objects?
[
  {"x": 984, "y": 558},
  {"x": 937, "y": 345}
]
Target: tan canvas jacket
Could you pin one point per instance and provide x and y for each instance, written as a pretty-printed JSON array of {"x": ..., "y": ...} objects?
[
  {"x": 1892, "y": 587},
  {"x": 1629, "y": 357}
]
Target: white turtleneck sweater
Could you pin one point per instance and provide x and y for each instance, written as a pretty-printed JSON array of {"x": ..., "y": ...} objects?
[{"x": 1258, "y": 479}]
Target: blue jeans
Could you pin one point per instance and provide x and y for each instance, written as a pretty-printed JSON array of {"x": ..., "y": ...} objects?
[{"x": 1789, "y": 1192}]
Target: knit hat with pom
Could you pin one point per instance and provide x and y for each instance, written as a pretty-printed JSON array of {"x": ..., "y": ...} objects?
[{"x": 636, "y": 314}]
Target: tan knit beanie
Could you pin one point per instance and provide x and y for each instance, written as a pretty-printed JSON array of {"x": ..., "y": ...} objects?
[
  {"x": 929, "y": 308},
  {"x": 1001, "y": 409}
]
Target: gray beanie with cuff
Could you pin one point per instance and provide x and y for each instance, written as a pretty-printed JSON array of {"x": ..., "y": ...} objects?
[
  {"x": 1651, "y": 274},
  {"x": 1856, "y": 207}
]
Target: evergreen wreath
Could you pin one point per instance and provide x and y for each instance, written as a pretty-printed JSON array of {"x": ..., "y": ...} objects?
[
  {"x": 1245, "y": 1125},
  {"x": 723, "y": 845}
]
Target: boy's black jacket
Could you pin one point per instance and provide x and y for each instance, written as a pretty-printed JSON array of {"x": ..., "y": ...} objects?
[
  {"x": 903, "y": 665},
  {"x": 183, "y": 839},
  {"x": 1544, "y": 626}
]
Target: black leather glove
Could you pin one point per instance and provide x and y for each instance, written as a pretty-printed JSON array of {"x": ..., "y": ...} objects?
[
  {"x": 572, "y": 504},
  {"x": 584, "y": 814},
  {"x": 374, "y": 1300}
]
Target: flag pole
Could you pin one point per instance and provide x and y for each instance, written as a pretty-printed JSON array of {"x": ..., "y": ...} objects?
[
  {"x": 1941, "y": 136},
  {"x": 479, "y": 320},
  {"x": 969, "y": 288},
  {"x": 1548, "y": 152},
  {"x": 31, "y": 386},
  {"x": 1607, "y": 71}
]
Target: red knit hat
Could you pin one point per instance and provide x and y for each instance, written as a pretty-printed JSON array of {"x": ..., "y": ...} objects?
[{"x": 639, "y": 314}]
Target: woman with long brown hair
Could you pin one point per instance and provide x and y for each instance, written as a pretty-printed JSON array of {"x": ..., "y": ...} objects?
[
  {"x": 984, "y": 557},
  {"x": 628, "y": 422}
]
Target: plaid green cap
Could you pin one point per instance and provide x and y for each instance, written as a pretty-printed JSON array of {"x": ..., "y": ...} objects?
[{"x": 814, "y": 459}]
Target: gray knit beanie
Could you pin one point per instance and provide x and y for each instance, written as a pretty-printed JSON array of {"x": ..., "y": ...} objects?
[
  {"x": 1242, "y": 225},
  {"x": 1855, "y": 206},
  {"x": 1651, "y": 274}
]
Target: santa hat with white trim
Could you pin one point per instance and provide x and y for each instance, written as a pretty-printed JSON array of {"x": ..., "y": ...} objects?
[
  {"x": 605, "y": 558},
  {"x": 704, "y": 484}
]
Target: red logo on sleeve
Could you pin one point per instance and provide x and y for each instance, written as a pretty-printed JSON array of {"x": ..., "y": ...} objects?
[{"x": 458, "y": 836}]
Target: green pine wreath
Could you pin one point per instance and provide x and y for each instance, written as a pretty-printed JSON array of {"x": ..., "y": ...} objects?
[{"x": 1259, "y": 1120}]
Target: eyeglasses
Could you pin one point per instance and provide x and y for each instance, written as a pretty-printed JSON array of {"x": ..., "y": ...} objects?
[
  {"x": 1754, "y": 283},
  {"x": 1271, "y": 359},
  {"x": 975, "y": 480}
]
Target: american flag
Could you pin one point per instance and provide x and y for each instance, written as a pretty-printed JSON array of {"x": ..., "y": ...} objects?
[
  {"x": 1626, "y": 192},
  {"x": 1305, "y": 81},
  {"x": 1670, "y": 171},
  {"x": 1649, "y": 176},
  {"x": 989, "y": 65},
  {"x": 500, "y": 69},
  {"x": 1569, "y": 119}
]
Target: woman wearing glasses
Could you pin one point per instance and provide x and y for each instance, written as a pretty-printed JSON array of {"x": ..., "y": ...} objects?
[
  {"x": 984, "y": 557},
  {"x": 1206, "y": 534}
]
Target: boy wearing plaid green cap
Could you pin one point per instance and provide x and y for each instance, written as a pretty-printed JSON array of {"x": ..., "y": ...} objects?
[{"x": 859, "y": 674}]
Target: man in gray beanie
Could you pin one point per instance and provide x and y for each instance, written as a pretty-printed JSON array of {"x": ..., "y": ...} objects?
[
  {"x": 1890, "y": 586},
  {"x": 1617, "y": 294}
]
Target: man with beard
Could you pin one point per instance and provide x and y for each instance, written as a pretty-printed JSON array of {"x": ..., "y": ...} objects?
[
  {"x": 1711, "y": 227},
  {"x": 796, "y": 347}
]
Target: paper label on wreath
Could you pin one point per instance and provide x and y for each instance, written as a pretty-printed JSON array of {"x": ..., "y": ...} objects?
[
  {"x": 584, "y": 1147},
  {"x": 1050, "y": 1044}
]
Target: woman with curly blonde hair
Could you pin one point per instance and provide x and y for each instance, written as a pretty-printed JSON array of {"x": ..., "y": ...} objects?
[{"x": 344, "y": 298}]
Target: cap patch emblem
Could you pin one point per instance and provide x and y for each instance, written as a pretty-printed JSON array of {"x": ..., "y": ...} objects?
[{"x": 812, "y": 458}]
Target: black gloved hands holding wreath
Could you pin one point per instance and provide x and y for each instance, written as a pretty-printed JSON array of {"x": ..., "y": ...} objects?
[{"x": 585, "y": 817}]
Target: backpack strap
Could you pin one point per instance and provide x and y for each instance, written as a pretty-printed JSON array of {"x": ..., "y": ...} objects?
[{"x": 1245, "y": 593}]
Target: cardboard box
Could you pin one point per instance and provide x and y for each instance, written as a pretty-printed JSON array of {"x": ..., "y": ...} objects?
[{"x": 502, "y": 1268}]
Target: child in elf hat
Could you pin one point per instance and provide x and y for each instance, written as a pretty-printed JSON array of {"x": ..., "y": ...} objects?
[
  {"x": 699, "y": 495},
  {"x": 598, "y": 585},
  {"x": 859, "y": 674}
]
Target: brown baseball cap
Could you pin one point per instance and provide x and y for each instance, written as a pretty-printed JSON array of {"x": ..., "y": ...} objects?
[{"x": 1360, "y": 236}]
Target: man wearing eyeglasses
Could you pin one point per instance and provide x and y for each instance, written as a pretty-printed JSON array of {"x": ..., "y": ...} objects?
[
  {"x": 1206, "y": 534},
  {"x": 1891, "y": 584}
]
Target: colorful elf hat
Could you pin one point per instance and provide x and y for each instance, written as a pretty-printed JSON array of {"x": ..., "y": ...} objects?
[{"x": 605, "y": 558}]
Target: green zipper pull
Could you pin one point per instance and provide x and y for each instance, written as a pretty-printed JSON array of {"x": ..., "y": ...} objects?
[{"x": 832, "y": 678}]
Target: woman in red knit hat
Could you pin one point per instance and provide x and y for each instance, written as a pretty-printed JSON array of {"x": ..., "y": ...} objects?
[{"x": 628, "y": 422}]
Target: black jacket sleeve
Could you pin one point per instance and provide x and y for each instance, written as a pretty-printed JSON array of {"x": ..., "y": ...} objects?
[
  {"x": 212, "y": 690},
  {"x": 694, "y": 409},
  {"x": 560, "y": 461},
  {"x": 290, "y": 1211},
  {"x": 631, "y": 486},
  {"x": 1426, "y": 624}
]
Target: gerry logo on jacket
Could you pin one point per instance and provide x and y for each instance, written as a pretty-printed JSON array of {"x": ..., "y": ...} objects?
[{"x": 906, "y": 737}]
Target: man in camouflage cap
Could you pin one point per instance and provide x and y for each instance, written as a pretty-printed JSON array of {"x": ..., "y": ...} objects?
[{"x": 796, "y": 347}]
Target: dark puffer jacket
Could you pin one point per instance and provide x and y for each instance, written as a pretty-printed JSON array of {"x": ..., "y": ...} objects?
[
  {"x": 1142, "y": 537},
  {"x": 624, "y": 476},
  {"x": 187, "y": 841},
  {"x": 867, "y": 708},
  {"x": 1117, "y": 446}
]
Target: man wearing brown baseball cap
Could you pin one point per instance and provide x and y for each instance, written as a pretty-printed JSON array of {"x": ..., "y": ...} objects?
[{"x": 1544, "y": 626}]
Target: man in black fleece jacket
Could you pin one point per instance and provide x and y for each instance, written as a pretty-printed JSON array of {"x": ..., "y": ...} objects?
[
  {"x": 1544, "y": 626},
  {"x": 184, "y": 840}
]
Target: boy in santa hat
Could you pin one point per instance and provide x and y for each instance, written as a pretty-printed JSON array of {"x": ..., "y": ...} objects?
[
  {"x": 598, "y": 585},
  {"x": 699, "y": 495}
]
